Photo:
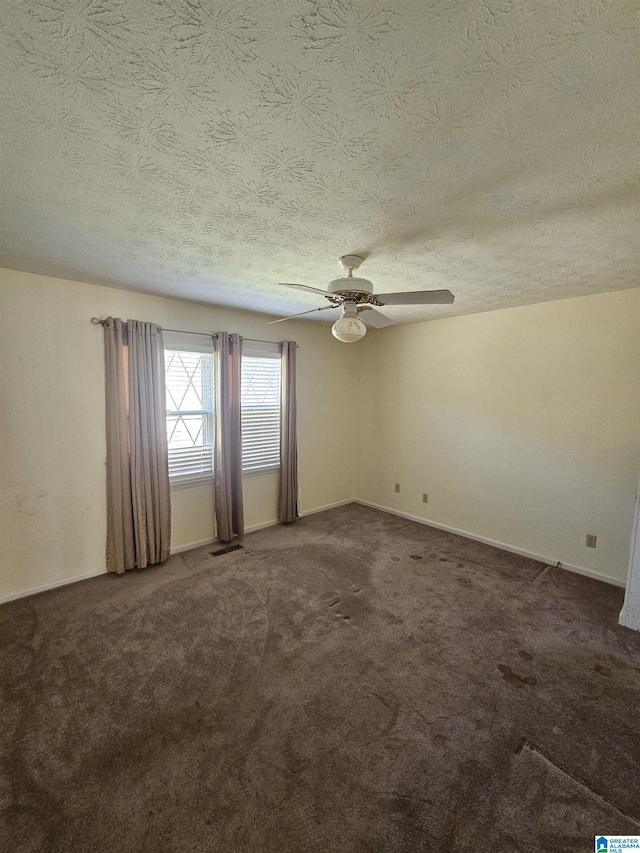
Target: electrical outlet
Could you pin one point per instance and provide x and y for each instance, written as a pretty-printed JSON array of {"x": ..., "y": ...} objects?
[
  {"x": 591, "y": 540},
  {"x": 397, "y": 487},
  {"x": 425, "y": 498}
]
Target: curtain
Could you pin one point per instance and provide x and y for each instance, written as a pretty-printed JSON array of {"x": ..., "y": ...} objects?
[
  {"x": 227, "y": 466},
  {"x": 288, "y": 488},
  {"x": 138, "y": 496},
  {"x": 120, "y": 539}
]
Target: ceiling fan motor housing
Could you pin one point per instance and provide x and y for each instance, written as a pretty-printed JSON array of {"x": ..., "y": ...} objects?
[{"x": 350, "y": 284}]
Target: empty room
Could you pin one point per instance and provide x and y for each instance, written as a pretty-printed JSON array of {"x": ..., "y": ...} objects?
[{"x": 319, "y": 426}]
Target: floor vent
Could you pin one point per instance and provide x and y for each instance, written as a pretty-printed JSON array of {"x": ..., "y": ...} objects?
[{"x": 227, "y": 550}]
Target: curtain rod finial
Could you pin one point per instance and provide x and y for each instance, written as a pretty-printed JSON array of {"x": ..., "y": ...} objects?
[{"x": 97, "y": 321}]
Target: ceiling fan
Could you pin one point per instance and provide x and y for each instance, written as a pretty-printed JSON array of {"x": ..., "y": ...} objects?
[{"x": 356, "y": 296}]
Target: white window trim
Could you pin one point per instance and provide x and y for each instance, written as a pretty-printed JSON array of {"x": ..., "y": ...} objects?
[
  {"x": 261, "y": 349},
  {"x": 188, "y": 481},
  {"x": 257, "y": 472},
  {"x": 189, "y": 342},
  {"x": 201, "y": 342}
]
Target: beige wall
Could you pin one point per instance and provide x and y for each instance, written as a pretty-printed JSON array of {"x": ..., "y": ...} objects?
[
  {"x": 522, "y": 425},
  {"x": 52, "y": 442}
]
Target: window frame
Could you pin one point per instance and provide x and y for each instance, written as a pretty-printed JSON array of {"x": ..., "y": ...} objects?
[
  {"x": 264, "y": 349},
  {"x": 194, "y": 342},
  {"x": 201, "y": 344}
]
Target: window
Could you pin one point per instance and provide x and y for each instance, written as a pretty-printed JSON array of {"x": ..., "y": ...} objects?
[
  {"x": 190, "y": 402},
  {"x": 190, "y": 382},
  {"x": 260, "y": 407}
]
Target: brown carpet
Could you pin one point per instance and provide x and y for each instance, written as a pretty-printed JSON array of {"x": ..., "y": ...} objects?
[{"x": 353, "y": 682}]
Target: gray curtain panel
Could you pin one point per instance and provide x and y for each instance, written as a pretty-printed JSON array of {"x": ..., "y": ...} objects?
[
  {"x": 138, "y": 495},
  {"x": 121, "y": 553},
  {"x": 227, "y": 464},
  {"x": 288, "y": 490},
  {"x": 150, "y": 491}
]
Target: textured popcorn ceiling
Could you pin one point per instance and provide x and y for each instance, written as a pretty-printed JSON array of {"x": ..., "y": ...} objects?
[{"x": 212, "y": 149}]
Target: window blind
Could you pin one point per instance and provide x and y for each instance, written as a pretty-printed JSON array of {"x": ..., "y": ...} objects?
[
  {"x": 190, "y": 425},
  {"x": 261, "y": 409},
  {"x": 189, "y": 378}
]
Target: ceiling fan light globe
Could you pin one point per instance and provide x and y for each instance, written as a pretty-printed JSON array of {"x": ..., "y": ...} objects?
[{"x": 349, "y": 329}]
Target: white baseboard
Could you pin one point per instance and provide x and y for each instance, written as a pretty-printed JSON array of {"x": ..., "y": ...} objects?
[
  {"x": 191, "y": 545},
  {"x": 502, "y": 545},
  {"x": 51, "y": 585},
  {"x": 327, "y": 506},
  {"x": 254, "y": 527},
  {"x": 177, "y": 550},
  {"x": 263, "y": 526},
  {"x": 579, "y": 570}
]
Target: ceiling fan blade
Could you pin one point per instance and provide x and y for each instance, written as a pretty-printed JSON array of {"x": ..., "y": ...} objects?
[
  {"x": 306, "y": 287},
  {"x": 416, "y": 297},
  {"x": 374, "y": 318},
  {"x": 293, "y": 316}
]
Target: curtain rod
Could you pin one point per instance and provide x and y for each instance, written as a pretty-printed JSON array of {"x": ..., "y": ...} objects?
[{"x": 98, "y": 322}]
